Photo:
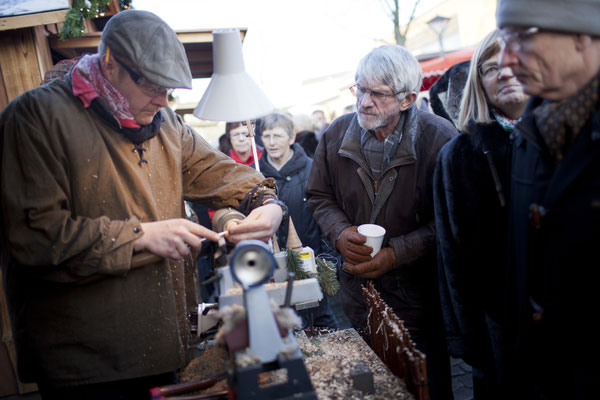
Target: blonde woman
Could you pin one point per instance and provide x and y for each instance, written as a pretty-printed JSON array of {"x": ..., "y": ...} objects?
[{"x": 470, "y": 189}]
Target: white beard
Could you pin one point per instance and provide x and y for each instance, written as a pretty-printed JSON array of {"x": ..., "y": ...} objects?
[{"x": 370, "y": 122}]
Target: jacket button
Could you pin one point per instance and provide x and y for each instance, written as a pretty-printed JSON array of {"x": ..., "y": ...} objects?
[{"x": 288, "y": 178}]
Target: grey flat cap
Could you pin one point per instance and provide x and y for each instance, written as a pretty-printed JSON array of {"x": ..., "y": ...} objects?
[
  {"x": 569, "y": 16},
  {"x": 151, "y": 45}
]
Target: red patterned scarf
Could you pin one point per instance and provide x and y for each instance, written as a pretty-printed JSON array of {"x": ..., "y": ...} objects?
[{"x": 89, "y": 83}]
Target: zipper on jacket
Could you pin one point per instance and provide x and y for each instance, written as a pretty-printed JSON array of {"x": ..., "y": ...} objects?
[{"x": 497, "y": 183}]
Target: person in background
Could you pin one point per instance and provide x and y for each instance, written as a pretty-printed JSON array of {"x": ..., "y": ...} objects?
[
  {"x": 470, "y": 196},
  {"x": 289, "y": 165},
  {"x": 241, "y": 144},
  {"x": 445, "y": 95},
  {"x": 553, "y": 48},
  {"x": 350, "y": 108},
  {"x": 224, "y": 145},
  {"x": 319, "y": 122},
  {"x": 237, "y": 134},
  {"x": 95, "y": 169},
  {"x": 376, "y": 166},
  {"x": 305, "y": 135}
]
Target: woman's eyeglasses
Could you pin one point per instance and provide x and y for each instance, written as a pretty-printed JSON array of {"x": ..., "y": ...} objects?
[{"x": 488, "y": 70}]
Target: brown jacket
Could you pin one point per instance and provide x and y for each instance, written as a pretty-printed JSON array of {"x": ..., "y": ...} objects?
[
  {"x": 342, "y": 192},
  {"x": 73, "y": 197}
]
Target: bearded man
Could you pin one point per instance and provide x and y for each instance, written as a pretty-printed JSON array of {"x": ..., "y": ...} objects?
[{"x": 376, "y": 166}]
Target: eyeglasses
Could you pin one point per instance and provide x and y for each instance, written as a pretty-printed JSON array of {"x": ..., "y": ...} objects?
[
  {"x": 239, "y": 135},
  {"x": 275, "y": 137},
  {"x": 514, "y": 40},
  {"x": 488, "y": 70},
  {"x": 380, "y": 97},
  {"x": 149, "y": 88}
]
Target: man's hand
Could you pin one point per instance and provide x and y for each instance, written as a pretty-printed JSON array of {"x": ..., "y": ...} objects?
[
  {"x": 383, "y": 261},
  {"x": 172, "y": 238},
  {"x": 261, "y": 224},
  {"x": 351, "y": 245}
]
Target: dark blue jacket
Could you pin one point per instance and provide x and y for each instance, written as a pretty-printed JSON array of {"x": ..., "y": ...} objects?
[
  {"x": 555, "y": 263},
  {"x": 291, "y": 180}
]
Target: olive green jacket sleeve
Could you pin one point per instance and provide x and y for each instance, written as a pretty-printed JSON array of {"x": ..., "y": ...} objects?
[{"x": 41, "y": 228}]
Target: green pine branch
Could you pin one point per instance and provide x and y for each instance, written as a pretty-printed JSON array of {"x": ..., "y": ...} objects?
[
  {"x": 294, "y": 264},
  {"x": 325, "y": 272},
  {"x": 327, "y": 277}
]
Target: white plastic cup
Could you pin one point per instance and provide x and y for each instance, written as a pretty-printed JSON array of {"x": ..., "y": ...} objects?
[{"x": 374, "y": 234}]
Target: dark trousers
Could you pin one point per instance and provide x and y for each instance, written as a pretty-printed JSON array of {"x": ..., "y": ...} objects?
[
  {"x": 322, "y": 316},
  {"x": 130, "y": 389},
  {"x": 438, "y": 366}
]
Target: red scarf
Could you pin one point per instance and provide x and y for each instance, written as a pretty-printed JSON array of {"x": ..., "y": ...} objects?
[
  {"x": 250, "y": 159},
  {"x": 89, "y": 83}
]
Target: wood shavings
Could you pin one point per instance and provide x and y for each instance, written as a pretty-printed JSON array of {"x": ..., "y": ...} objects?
[
  {"x": 211, "y": 362},
  {"x": 329, "y": 359}
]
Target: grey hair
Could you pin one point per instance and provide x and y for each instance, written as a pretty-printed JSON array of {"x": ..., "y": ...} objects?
[
  {"x": 279, "y": 119},
  {"x": 474, "y": 104},
  {"x": 394, "y": 66},
  {"x": 302, "y": 122}
]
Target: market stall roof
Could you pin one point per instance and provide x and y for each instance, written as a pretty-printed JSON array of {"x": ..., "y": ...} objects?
[
  {"x": 197, "y": 44},
  {"x": 434, "y": 68}
]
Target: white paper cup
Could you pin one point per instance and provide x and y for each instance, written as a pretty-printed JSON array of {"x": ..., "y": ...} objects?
[{"x": 374, "y": 234}]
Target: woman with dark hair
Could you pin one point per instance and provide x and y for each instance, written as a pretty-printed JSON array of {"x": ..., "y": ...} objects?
[
  {"x": 470, "y": 189},
  {"x": 241, "y": 145}
]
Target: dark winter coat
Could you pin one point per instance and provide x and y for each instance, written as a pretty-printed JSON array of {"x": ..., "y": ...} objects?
[
  {"x": 555, "y": 227},
  {"x": 342, "y": 192},
  {"x": 471, "y": 228},
  {"x": 291, "y": 181}
]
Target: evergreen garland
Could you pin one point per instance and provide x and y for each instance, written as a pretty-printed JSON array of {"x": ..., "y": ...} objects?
[
  {"x": 325, "y": 272},
  {"x": 73, "y": 27}
]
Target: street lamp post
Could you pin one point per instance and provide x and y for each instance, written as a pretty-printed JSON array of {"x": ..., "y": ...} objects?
[{"x": 438, "y": 25}]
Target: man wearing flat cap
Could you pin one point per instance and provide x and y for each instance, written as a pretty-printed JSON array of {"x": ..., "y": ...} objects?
[
  {"x": 553, "y": 48},
  {"x": 96, "y": 169}
]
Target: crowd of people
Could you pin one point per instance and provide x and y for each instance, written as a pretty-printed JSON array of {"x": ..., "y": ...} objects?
[{"x": 491, "y": 210}]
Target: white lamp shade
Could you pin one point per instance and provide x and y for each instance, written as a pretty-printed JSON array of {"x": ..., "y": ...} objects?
[{"x": 232, "y": 94}]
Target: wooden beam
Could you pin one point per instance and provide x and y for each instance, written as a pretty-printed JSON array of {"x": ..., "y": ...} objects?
[
  {"x": 3, "y": 96},
  {"x": 42, "y": 49},
  {"x": 91, "y": 39},
  {"x": 187, "y": 36},
  {"x": 194, "y": 37},
  {"x": 24, "y": 21}
]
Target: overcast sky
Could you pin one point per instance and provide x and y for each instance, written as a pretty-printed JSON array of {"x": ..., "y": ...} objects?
[{"x": 288, "y": 41}]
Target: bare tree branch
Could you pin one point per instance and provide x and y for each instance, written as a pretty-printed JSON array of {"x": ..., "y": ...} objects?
[
  {"x": 387, "y": 8},
  {"x": 412, "y": 15}
]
